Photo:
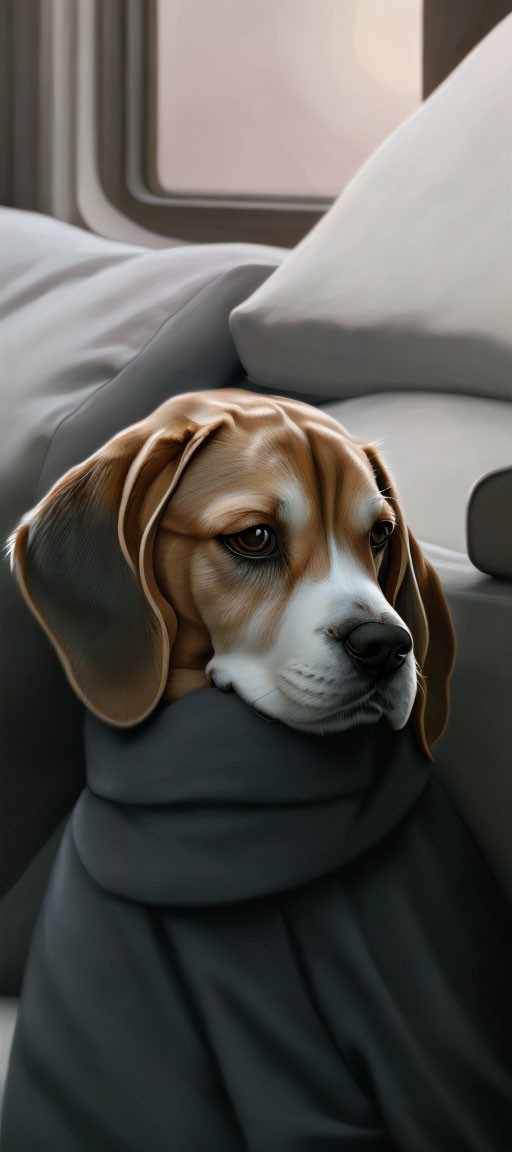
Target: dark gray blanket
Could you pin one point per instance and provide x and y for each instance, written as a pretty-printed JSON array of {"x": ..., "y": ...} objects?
[{"x": 260, "y": 940}]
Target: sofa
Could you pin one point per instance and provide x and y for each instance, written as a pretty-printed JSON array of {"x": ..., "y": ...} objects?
[{"x": 393, "y": 313}]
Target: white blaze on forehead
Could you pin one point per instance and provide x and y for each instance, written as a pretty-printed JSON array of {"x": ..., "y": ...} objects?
[
  {"x": 348, "y": 583},
  {"x": 315, "y": 606},
  {"x": 296, "y": 508}
]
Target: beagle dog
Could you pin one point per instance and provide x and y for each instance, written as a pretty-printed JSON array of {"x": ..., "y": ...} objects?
[{"x": 248, "y": 542}]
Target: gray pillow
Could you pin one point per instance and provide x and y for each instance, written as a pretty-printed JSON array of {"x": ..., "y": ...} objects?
[
  {"x": 407, "y": 281},
  {"x": 94, "y": 336}
]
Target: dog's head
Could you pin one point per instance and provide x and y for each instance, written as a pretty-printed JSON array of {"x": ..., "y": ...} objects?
[{"x": 250, "y": 542}]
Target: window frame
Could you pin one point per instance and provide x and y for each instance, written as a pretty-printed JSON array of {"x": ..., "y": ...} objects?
[{"x": 125, "y": 31}]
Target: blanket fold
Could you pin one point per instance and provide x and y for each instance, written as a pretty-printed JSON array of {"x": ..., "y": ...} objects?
[
  {"x": 259, "y": 941},
  {"x": 208, "y": 804}
]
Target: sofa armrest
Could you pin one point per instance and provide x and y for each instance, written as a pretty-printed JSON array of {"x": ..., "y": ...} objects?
[
  {"x": 472, "y": 758},
  {"x": 489, "y": 539}
]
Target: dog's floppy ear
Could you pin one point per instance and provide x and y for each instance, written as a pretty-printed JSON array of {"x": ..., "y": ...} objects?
[
  {"x": 412, "y": 586},
  {"x": 83, "y": 558}
]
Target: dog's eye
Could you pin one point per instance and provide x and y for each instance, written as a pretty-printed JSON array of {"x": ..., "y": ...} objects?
[
  {"x": 379, "y": 534},
  {"x": 260, "y": 541}
]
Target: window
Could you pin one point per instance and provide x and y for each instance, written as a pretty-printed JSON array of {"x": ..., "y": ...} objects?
[
  {"x": 244, "y": 119},
  {"x": 277, "y": 98}
]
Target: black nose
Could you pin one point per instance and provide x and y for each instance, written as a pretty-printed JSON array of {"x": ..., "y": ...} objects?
[{"x": 379, "y": 649}]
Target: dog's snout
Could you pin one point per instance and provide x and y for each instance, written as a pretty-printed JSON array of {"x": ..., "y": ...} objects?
[{"x": 378, "y": 649}]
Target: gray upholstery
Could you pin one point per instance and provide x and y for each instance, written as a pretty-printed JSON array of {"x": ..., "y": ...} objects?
[{"x": 94, "y": 336}]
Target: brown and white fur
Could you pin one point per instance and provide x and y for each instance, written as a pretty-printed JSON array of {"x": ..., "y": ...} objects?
[{"x": 123, "y": 565}]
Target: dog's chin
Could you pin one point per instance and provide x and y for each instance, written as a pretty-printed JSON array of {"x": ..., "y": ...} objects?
[
  {"x": 368, "y": 709},
  {"x": 391, "y": 699},
  {"x": 368, "y": 713},
  {"x": 341, "y": 721},
  {"x": 373, "y": 702}
]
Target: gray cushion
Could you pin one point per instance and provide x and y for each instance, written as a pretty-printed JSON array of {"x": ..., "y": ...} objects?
[
  {"x": 473, "y": 755},
  {"x": 94, "y": 336}
]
